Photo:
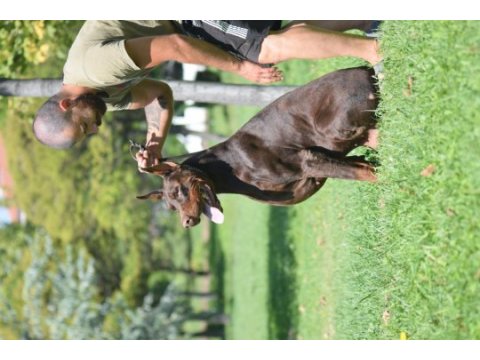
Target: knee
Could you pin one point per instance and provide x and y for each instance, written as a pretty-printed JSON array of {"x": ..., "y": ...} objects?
[
  {"x": 271, "y": 50},
  {"x": 285, "y": 44}
]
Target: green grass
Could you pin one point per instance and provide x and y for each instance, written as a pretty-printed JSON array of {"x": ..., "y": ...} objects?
[
  {"x": 363, "y": 261},
  {"x": 419, "y": 256}
]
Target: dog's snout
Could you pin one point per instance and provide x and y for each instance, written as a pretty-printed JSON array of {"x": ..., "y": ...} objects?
[{"x": 190, "y": 221}]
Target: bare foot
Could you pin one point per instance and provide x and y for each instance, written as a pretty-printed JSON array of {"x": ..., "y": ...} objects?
[
  {"x": 376, "y": 55},
  {"x": 372, "y": 141}
]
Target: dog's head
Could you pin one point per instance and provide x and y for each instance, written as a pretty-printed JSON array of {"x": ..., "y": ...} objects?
[{"x": 188, "y": 191}]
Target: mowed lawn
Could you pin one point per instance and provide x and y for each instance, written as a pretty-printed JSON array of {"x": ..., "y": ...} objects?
[{"x": 396, "y": 259}]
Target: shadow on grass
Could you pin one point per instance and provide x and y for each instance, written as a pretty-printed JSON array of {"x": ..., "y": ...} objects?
[
  {"x": 281, "y": 274},
  {"x": 216, "y": 330},
  {"x": 217, "y": 268}
]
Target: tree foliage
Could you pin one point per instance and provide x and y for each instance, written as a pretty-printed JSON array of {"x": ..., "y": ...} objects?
[
  {"x": 60, "y": 300},
  {"x": 24, "y": 45},
  {"x": 86, "y": 195},
  {"x": 103, "y": 282},
  {"x": 14, "y": 258},
  {"x": 104, "y": 247}
]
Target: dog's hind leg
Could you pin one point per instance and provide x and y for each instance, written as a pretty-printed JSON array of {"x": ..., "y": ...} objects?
[{"x": 316, "y": 164}]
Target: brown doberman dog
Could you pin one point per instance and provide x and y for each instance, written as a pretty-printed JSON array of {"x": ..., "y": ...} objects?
[{"x": 284, "y": 154}]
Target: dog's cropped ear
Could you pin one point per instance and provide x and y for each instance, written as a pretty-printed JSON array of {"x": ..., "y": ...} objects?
[
  {"x": 211, "y": 205},
  {"x": 154, "y": 195},
  {"x": 211, "y": 196},
  {"x": 162, "y": 169}
]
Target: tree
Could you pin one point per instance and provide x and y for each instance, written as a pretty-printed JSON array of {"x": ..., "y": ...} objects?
[
  {"x": 24, "y": 45},
  {"x": 61, "y": 301},
  {"x": 205, "y": 92},
  {"x": 85, "y": 199}
]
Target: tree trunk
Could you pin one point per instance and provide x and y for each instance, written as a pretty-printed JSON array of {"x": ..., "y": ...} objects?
[{"x": 205, "y": 92}]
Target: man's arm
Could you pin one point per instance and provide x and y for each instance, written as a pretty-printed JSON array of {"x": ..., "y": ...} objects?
[
  {"x": 156, "y": 97},
  {"x": 151, "y": 51}
]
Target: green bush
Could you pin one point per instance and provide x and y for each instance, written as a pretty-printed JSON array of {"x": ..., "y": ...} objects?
[
  {"x": 24, "y": 45},
  {"x": 60, "y": 300}
]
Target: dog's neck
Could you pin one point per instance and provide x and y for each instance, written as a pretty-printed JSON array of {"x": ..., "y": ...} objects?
[{"x": 218, "y": 171}]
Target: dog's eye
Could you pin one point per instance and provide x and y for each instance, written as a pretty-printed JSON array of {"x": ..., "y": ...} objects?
[
  {"x": 175, "y": 193},
  {"x": 184, "y": 190}
]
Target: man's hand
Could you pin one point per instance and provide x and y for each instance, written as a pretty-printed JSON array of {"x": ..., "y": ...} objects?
[
  {"x": 149, "y": 157},
  {"x": 157, "y": 99},
  {"x": 257, "y": 73}
]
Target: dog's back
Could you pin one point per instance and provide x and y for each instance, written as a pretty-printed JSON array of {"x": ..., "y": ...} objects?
[{"x": 330, "y": 112}]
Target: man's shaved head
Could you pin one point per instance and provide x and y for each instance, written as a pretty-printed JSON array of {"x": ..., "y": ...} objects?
[
  {"x": 61, "y": 121},
  {"x": 52, "y": 126}
]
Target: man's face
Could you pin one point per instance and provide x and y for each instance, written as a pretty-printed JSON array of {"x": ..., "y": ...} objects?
[{"x": 86, "y": 115}]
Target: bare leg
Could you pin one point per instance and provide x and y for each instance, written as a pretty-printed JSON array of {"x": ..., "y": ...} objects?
[
  {"x": 335, "y": 25},
  {"x": 302, "y": 41}
]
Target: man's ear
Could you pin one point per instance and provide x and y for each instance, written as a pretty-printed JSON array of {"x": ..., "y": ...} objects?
[
  {"x": 162, "y": 169},
  {"x": 65, "y": 104},
  {"x": 154, "y": 195}
]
